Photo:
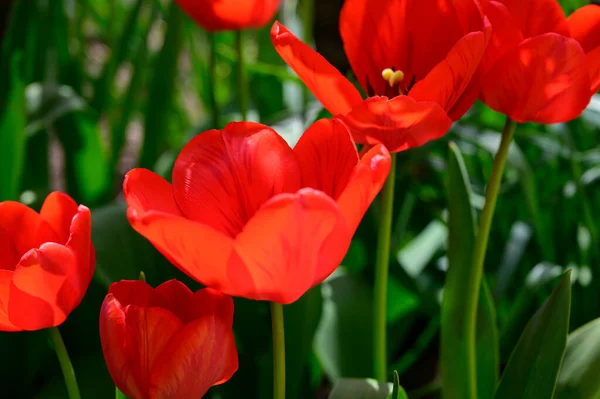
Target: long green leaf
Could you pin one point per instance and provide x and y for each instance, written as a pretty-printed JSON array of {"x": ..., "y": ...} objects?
[
  {"x": 12, "y": 136},
  {"x": 355, "y": 388},
  {"x": 533, "y": 367},
  {"x": 301, "y": 321},
  {"x": 468, "y": 370},
  {"x": 580, "y": 370},
  {"x": 162, "y": 90}
]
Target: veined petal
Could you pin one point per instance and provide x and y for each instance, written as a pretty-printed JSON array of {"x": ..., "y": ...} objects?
[
  {"x": 446, "y": 83},
  {"x": 506, "y": 34},
  {"x": 194, "y": 248},
  {"x": 399, "y": 124},
  {"x": 133, "y": 338},
  {"x": 58, "y": 211},
  {"x": 536, "y": 17},
  {"x": 221, "y": 178},
  {"x": 290, "y": 241},
  {"x": 146, "y": 191},
  {"x": 584, "y": 24},
  {"x": 36, "y": 287},
  {"x": 334, "y": 91},
  {"x": 364, "y": 184},
  {"x": 327, "y": 157},
  {"x": 593, "y": 64},
  {"x": 204, "y": 348},
  {"x": 5, "y": 279},
  {"x": 544, "y": 80}
]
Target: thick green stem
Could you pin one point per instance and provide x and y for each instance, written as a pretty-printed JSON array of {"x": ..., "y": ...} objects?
[
  {"x": 212, "y": 81},
  {"x": 382, "y": 262},
  {"x": 241, "y": 72},
  {"x": 278, "y": 351},
  {"x": 481, "y": 240},
  {"x": 65, "y": 363}
]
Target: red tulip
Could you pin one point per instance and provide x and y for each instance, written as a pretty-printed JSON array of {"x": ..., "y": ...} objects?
[
  {"x": 416, "y": 59},
  {"x": 540, "y": 66},
  {"x": 46, "y": 262},
  {"x": 167, "y": 342},
  {"x": 251, "y": 217},
  {"x": 220, "y": 15}
]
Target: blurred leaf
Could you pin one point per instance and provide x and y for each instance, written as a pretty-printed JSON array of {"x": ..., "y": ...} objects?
[
  {"x": 162, "y": 91},
  {"x": 578, "y": 377},
  {"x": 121, "y": 253},
  {"x": 420, "y": 250},
  {"x": 398, "y": 392},
  {"x": 354, "y": 388},
  {"x": 520, "y": 234},
  {"x": 455, "y": 350},
  {"x": 301, "y": 320},
  {"x": 343, "y": 340},
  {"x": 12, "y": 136},
  {"x": 400, "y": 300},
  {"x": 119, "y": 394},
  {"x": 47, "y": 103},
  {"x": 85, "y": 157},
  {"x": 533, "y": 367}
]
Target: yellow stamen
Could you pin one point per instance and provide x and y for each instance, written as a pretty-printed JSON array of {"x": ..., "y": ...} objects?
[
  {"x": 392, "y": 77},
  {"x": 387, "y": 73}
]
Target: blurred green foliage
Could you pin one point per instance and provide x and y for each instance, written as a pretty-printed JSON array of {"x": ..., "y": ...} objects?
[{"x": 90, "y": 89}]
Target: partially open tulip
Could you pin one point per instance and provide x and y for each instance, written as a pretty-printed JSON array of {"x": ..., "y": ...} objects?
[
  {"x": 167, "y": 342},
  {"x": 46, "y": 262},
  {"x": 221, "y": 15},
  {"x": 417, "y": 60},
  {"x": 250, "y": 216},
  {"x": 540, "y": 66}
]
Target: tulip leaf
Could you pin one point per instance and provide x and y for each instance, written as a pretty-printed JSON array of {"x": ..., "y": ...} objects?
[
  {"x": 343, "y": 339},
  {"x": 119, "y": 394},
  {"x": 398, "y": 392},
  {"x": 301, "y": 319},
  {"x": 533, "y": 366},
  {"x": 357, "y": 388},
  {"x": 578, "y": 377},
  {"x": 456, "y": 352},
  {"x": 12, "y": 136}
]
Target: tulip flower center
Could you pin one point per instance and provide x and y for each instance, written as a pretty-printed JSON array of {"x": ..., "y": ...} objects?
[{"x": 394, "y": 78}]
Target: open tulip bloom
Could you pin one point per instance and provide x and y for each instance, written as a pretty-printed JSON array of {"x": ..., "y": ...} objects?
[
  {"x": 416, "y": 59},
  {"x": 540, "y": 66},
  {"x": 250, "y": 216},
  {"x": 46, "y": 262},
  {"x": 167, "y": 342}
]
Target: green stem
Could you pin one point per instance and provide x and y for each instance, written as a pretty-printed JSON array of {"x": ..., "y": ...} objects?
[
  {"x": 212, "y": 81},
  {"x": 65, "y": 363},
  {"x": 481, "y": 240},
  {"x": 382, "y": 262},
  {"x": 241, "y": 72},
  {"x": 278, "y": 351}
]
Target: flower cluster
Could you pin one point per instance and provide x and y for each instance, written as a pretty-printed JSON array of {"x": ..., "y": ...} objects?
[{"x": 247, "y": 215}]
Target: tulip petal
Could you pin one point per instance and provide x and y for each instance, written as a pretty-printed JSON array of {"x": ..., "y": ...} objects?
[
  {"x": 333, "y": 90},
  {"x": 365, "y": 183},
  {"x": 536, "y": 17},
  {"x": 506, "y": 35},
  {"x": 177, "y": 298},
  {"x": 58, "y": 211},
  {"x": 145, "y": 191},
  {"x": 327, "y": 157},
  {"x": 219, "y": 15},
  {"x": 291, "y": 239},
  {"x": 24, "y": 227},
  {"x": 447, "y": 82},
  {"x": 584, "y": 24},
  {"x": 544, "y": 80},
  {"x": 399, "y": 124},
  {"x": 593, "y": 63},
  {"x": 196, "y": 249},
  {"x": 205, "y": 348},
  {"x": 40, "y": 294},
  {"x": 133, "y": 339},
  {"x": 221, "y": 178},
  {"x": 80, "y": 243},
  {"x": 5, "y": 279},
  {"x": 134, "y": 292}
]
